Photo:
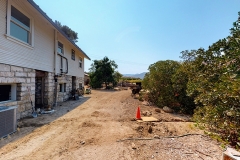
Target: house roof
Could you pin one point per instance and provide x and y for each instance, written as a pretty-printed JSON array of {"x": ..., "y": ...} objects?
[{"x": 51, "y": 21}]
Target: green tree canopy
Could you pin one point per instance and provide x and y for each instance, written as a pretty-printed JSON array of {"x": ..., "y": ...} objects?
[
  {"x": 159, "y": 82},
  {"x": 68, "y": 31},
  {"x": 214, "y": 79},
  {"x": 103, "y": 71}
]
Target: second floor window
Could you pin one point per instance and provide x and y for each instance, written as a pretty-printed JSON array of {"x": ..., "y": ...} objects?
[
  {"x": 60, "y": 48},
  {"x": 80, "y": 62},
  {"x": 73, "y": 55},
  {"x": 19, "y": 25}
]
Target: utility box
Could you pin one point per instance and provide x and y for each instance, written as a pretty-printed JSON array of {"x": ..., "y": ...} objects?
[
  {"x": 231, "y": 154},
  {"x": 8, "y": 120}
]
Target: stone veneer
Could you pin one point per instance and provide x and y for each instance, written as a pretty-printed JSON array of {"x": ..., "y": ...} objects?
[
  {"x": 64, "y": 96},
  {"x": 49, "y": 89},
  {"x": 23, "y": 78}
]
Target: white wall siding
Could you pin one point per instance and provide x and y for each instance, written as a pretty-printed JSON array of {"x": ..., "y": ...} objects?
[
  {"x": 41, "y": 56},
  {"x": 73, "y": 66}
]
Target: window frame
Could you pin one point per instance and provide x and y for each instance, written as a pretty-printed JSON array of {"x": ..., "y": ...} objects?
[
  {"x": 13, "y": 91},
  {"x": 63, "y": 87},
  {"x": 8, "y": 35},
  {"x": 73, "y": 55},
  {"x": 62, "y": 48},
  {"x": 80, "y": 62}
]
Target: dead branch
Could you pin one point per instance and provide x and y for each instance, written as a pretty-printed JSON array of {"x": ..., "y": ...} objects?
[
  {"x": 184, "y": 135},
  {"x": 204, "y": 153}
]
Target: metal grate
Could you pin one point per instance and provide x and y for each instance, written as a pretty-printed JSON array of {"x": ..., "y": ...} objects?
[{"x": 7, "y": 120}]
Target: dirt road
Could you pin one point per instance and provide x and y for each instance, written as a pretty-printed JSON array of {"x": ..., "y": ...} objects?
[{"x": 99, "y": 126}]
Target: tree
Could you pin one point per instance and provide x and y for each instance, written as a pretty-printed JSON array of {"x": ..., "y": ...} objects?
[
  {"x": 159, "y": 83},
  {"x": 215, "y": 81},
  {"x": 102, "y": 71},
  {"x": 117, "y": 76},
  {"x": 68, "y": 31}
]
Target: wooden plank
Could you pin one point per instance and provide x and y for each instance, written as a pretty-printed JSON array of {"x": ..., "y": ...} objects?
[{"x": 148, "y": 119}]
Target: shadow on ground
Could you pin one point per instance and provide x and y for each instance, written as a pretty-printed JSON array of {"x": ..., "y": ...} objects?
[{"x": 28, "y": 124}]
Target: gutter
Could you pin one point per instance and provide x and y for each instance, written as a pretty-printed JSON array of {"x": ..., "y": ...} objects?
[{"x": 54, "y": 25}]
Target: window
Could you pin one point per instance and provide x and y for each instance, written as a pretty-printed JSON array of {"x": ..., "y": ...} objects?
[
  {"x": 8, "y": 92},
  {"x": 80, "y": 62},
  {"x": 80, "y": 85},
  {"x": 20, "y": 25},
  {"x": 63, "y": 87},
  {"x": 73, "y": 55},
  {"x": 60, "y": 48}
]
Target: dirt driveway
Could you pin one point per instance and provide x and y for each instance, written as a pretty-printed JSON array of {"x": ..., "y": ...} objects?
[{"x": 100, "y": 126}]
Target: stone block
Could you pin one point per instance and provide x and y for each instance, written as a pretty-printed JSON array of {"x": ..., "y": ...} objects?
[
  {"x": 3, "y": 80},
  {"x": 22, "y": 94},
  {"x": 20, "y": 102},
  {"x": 28, "y": 80},
  {"x": 31, "y": 74},
  {"x": 24, "y": 98},
  {"x": 5, "y": 67},
  {"x": 22, "y": 89},
  {"x": 21, "y": 74},
  {"x": 17, "y": 69},
  {"x": 33, "y": 80},
  {"x": 21, "y": 108},
  {"x": 6, "y": 74},
  {"x": 28, "y": 106},
  {"x": 27, "y": 69},
  {"x": 20, "y": 80},
  {"x": 11, "y": 80}
]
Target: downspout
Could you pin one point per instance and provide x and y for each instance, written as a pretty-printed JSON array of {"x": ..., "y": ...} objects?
[
  {"x": 6, "y": 15},
  {"x": 55, "y": 68}
]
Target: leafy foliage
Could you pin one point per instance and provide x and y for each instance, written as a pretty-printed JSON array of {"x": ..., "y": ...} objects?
[
  {"x": 68, "y": 31},
  {"x": 214, "y": 82},
  {"x": 179, "y": 82},
  {"x": 103, "y": 71},
  {"x": 117, "y": 76},
  {"x": 159, "y": 83}
]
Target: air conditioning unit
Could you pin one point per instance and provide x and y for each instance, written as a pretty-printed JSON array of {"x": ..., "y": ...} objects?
[{"x": 8, "y": 120}]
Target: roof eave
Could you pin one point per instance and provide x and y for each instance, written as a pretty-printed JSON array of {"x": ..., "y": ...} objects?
[{"x": 55, "y": 26}]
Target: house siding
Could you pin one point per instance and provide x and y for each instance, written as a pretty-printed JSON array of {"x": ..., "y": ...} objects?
[
  {"x": 41, "y": 56},
  {"x": 73, "y": 65},
  {"x": 33, "y": 67}
]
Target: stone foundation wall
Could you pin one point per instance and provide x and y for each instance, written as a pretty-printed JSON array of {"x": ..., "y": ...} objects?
[
  {"x": 49, "y": 89},
  {"x": 23, "y": 78},
  {"x": 79, "y": 80},
  {"x": 64, "y": 96}
]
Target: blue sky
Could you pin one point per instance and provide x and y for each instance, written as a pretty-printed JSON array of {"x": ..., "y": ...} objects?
[{"x": 137, "y": 33}]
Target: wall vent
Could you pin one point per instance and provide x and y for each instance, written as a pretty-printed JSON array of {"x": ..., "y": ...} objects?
[{"x": 8, "y": 120}]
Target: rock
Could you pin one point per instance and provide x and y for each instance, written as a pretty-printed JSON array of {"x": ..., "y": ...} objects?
[
  {"x": 133, "y": 119},
  {"x": 167, "y": 109},
  {"x": 134, "y": 146},
  {"x": 82, "y": 142},
  {"x": 158, "y": 110},
  {"x": 150, "y": 129},
  {"x": 156, "y": 136},
  {"x": 147, "y": 113}
]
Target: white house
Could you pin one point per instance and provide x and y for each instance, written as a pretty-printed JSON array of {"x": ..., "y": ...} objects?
[{"x": 35, "y": 54}]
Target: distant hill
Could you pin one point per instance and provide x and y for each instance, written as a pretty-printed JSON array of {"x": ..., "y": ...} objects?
[{"x": 140, "y": 75}]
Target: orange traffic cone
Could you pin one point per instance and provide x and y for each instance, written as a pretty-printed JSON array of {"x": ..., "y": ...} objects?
[{"x": 138, "y": 116}]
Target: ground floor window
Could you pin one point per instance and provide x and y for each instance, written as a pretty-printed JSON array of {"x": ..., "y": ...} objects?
[
  {"x": 80, "y": 85},
  {"x": 7, "y": 92},
  {"x": 63, "y": 87}
]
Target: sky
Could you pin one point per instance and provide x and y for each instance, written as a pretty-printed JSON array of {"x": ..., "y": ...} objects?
[{"x": 138, "y": 33}]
